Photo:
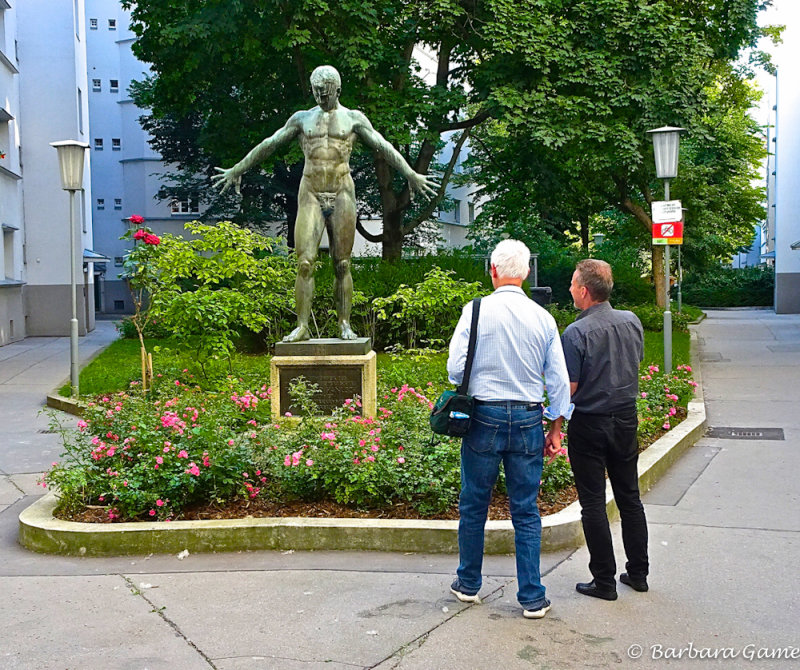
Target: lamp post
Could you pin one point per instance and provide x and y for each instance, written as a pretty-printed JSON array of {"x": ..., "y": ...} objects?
[
  {"x": 598, "y": 238},
  {"x": 70, "y": 160},
  {"x": 666, "y": 141}
]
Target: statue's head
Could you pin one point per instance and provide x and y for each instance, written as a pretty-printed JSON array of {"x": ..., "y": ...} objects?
[{"x": 326, "y": 85}]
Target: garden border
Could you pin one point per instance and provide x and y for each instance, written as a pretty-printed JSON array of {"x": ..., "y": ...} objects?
[{"x": 40, "y": 531}]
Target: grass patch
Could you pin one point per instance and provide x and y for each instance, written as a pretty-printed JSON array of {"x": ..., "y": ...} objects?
[{"x": 654, "y": 348}]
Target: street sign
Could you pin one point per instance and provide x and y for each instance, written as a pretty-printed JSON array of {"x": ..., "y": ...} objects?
[
  {"x": 667, "y": 211},
  {"x": 667, "y": 222}
]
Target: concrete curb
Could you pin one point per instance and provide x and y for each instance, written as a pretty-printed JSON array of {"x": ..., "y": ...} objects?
[{"x": 40, "y": 531}]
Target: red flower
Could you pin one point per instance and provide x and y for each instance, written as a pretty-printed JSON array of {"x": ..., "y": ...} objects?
[
  {"x": 149, "y": 238},
  {"x": 139, "y": 234},
  {"x": 136, "y": 219}
]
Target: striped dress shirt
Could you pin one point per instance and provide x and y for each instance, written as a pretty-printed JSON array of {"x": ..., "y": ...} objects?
[{"x": 518, "y": 350}]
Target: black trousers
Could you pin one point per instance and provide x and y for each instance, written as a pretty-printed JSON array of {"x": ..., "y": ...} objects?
[{"x": 596, "y": 444}]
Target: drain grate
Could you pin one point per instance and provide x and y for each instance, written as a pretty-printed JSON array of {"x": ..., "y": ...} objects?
[
  {"x": 47, "y": 431},
  {"x": 731, "y": 433}
]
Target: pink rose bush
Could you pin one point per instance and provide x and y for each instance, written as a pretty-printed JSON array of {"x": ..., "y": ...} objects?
[{"x": 661, "y": 396}]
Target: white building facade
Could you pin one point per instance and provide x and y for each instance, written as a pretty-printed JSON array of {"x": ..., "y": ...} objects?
[
  {"x": 43, "y": 99},
  {"x": 126, "y": 171}
]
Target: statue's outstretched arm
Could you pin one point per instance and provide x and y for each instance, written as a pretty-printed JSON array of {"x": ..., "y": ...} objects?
[
  {"x": 233, "y": 176},
  {"x": 419, "y": 183}
]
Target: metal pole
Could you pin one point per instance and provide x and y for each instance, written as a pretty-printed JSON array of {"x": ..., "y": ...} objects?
[
  {"x": 73, "y": 324},
  {"x": 680, "y": 280},
  {"x": 667, "y": 312}
]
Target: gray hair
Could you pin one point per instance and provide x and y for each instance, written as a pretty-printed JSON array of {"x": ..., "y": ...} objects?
[
  {"x": 326, "y": 74},
  {"x": 597, "y": 277},
  {"x": 512, "y": 259}
]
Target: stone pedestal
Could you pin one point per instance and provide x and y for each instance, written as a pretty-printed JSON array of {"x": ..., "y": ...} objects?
[{"x": 342, "y": 369}]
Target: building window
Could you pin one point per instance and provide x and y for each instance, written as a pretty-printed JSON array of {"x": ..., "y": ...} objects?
[
  {"x": 472, "y": 212},
  {"x": 92, "y": 24},
  {"x": 118, "y": 261},
  {"x": 96, "y": 85},
  {"x": 98, "y": 143},
  {"x": 117, "y": 203},
  {"x": 113, "y": 85},
  {"x": 457, "y": 211},
  {"x": 116, "y": 144},
  {"x": 101, "y": 203},
  {"x": 119, "y": 305},
  {"x": 112, "y": 24},
  {"x": 187, "y": 206}
]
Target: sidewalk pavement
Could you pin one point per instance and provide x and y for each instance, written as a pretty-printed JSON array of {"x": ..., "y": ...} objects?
[{"x": 724, "y": 545}]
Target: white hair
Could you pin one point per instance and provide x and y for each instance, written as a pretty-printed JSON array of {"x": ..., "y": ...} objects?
[{"x": 512, "y": 259}]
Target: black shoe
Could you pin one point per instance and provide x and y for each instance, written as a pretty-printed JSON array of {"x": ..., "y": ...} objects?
[
  {"x": 591, "y": 589},
  {"x": 636, "y": 584}
]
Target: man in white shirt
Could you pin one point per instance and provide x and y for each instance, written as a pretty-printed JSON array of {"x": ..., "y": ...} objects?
[{"x": 517, "y": 350}]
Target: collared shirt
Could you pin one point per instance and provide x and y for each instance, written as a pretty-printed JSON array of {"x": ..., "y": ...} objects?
[
  {"x": 603, "y": 348},
  {"x": 516, "y": 351}
]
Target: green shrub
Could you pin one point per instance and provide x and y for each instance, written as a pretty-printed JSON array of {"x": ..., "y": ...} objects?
[
  {"x": 731, "y": 287},
  {"x": 154, "y": 329},
  {"x": 427, "y": 313}
]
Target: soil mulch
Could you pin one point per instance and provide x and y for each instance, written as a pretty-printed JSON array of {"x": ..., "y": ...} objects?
[{"x": 260, "y": 508}]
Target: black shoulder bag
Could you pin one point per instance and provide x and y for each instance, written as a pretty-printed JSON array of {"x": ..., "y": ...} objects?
[{"x": 452, "y": 412}]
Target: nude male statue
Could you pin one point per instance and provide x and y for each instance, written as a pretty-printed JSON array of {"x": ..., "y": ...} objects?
[{"x": 326, "y": 198}]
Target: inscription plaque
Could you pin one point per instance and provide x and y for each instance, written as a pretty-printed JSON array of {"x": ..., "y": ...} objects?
[{"x": 336, "y": 384}]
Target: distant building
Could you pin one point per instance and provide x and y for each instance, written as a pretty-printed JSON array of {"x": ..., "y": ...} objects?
[
  {"x": 126, "y": 171},
  {"x": 43, "y": 99},
  {"x": 782, "y": 238}
]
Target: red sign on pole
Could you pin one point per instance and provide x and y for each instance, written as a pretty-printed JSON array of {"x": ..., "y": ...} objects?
[{"x": 667, "y": 222}]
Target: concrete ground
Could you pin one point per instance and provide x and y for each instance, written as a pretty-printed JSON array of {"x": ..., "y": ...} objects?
[{"x": 724, "y": 544}]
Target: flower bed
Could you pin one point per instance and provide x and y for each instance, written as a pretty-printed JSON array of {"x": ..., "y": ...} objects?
[{"x": 181, "y": 450}]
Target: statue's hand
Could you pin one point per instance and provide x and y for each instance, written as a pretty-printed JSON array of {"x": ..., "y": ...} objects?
[
  {"x": 226, "y": 179},
  {"x": 424, "y": 185}
]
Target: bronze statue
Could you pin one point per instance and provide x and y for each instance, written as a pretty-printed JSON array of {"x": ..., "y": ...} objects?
[{"x": 326, "y": 198}]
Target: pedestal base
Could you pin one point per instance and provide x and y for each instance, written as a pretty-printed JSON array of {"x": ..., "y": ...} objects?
[{"x": 341, "y": 368}]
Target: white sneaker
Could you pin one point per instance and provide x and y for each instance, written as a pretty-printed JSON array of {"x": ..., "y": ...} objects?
[
  {"x": 463, "y": 597},
  {"x": 537, "y": 614}
]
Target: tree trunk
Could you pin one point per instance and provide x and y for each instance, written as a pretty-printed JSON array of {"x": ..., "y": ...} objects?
[
  {"x": 585, "y": 234},
  {"x": 658, "y": 275},
  {"x": 392, "y": 236}
]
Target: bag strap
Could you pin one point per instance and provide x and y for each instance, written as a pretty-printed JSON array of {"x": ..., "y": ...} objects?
[{"x": 473, "y": 335}]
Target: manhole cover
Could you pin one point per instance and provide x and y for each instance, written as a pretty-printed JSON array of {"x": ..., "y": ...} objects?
[{"x": 732, "y": 433}]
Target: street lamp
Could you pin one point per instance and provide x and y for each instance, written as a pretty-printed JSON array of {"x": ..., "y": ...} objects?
[
  {"x": 666, "y": 141},
  {"x": 70, "y": 160},
  {"x": 598, "y": 238}
]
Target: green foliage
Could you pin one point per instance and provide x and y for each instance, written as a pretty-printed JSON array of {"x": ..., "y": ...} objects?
[
  {"x": 224, "y": 281},
  {"x": 731, "y": 287},
  {"x": 556, "y": 476},
  {"x": 428, "y": 312},
  {"x": 152, "y": 330}
]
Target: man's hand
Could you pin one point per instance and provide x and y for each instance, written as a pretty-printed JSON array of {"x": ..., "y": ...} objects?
[
  {"x": 422, "y": 184},
  {"x": 226, "y": 179},
  {"x": 552, "y": 441}
]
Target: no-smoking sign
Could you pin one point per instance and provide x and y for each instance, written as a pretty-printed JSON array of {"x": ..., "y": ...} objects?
[{"x": 667, "y": 222}]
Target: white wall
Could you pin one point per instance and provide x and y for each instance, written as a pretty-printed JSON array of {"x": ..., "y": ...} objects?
[
  {"x": 787, "y": 159},
  {"x": 53, "y": 106}
]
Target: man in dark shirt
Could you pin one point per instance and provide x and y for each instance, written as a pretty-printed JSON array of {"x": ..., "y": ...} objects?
[{"x": 603, "y": 349}]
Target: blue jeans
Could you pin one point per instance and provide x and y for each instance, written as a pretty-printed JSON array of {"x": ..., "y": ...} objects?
[{"x": 512, "y": 433}]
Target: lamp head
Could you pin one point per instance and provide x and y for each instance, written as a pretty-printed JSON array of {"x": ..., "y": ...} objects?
[
  {"x": 70, "y": 160},
  {"x": 665, "y": 148}
]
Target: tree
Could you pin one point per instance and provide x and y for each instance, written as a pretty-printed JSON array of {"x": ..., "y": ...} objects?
[
  {"x": 602, "y": 74},
  {"x": 226, "y": 74}
]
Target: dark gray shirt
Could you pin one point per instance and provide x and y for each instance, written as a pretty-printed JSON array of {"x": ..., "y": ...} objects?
[{"x": 603, "y": 349}]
